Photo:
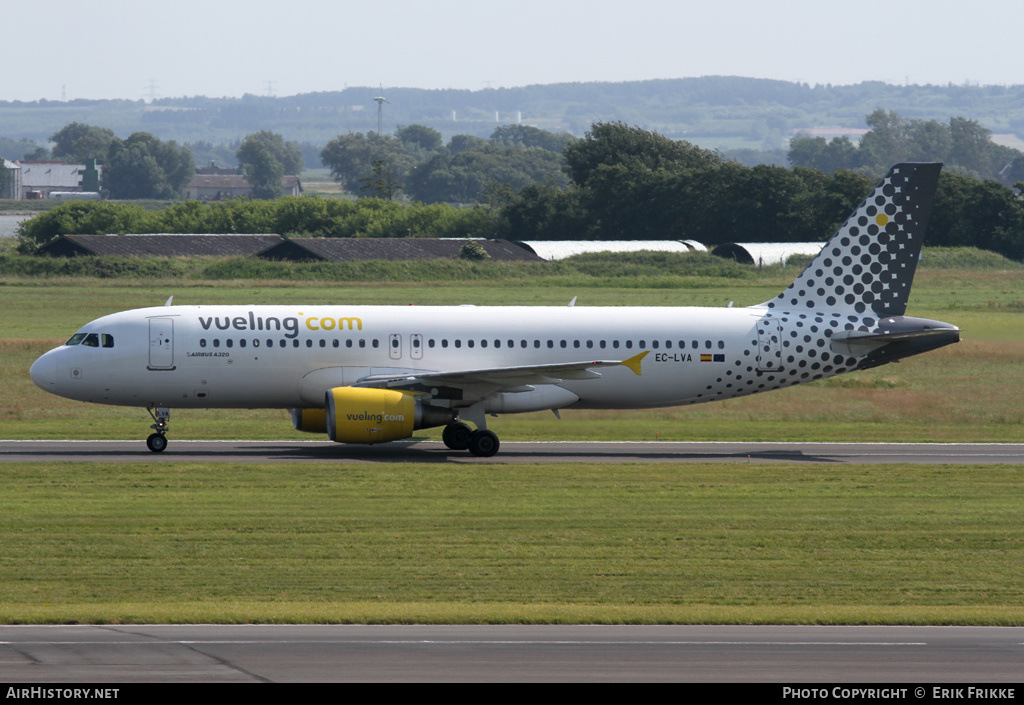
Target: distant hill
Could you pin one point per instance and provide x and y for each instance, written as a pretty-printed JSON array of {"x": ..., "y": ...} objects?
[{"x": 723, "y": 112}]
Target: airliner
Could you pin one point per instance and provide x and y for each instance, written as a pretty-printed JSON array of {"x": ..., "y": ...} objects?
[{"x": 373, "y": 374}]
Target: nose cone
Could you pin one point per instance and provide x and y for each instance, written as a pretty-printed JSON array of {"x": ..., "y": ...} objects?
[{"x": 44, "y": 372}]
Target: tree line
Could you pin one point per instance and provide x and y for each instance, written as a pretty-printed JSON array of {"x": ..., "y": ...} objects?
[
  {"x": 416, "y": 162},
  {"x": 962, "y": 145},
  {"x": 757, "y": 114},
  {"x": 628, "y": 183},
  {"x": 145, "y": 167},
  {"x": 619, "y": 183}
]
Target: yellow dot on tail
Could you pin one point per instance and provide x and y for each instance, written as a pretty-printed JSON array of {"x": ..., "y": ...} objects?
[{"x": 882, "y": 219}]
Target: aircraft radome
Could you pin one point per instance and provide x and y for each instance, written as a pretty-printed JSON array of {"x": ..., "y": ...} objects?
[{"x": 371, "y": 374}]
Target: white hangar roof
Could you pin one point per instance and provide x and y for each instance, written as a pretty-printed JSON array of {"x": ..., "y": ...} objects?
[
  {"x": 560, "y": 249},
  {"x": 765, "y": 252}
]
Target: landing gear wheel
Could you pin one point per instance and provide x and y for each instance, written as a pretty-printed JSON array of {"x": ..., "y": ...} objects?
[
  {"x": 483, "y": 443},
  {"x": 156, "y": 442},
  {"x": 456, "y": 436}
]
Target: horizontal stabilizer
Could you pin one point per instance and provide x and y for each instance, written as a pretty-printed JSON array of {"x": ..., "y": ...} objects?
[{"x": 895, "y": 338}]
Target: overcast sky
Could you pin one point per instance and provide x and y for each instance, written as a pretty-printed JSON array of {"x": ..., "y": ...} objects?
[{"x": 132, "y": 49}]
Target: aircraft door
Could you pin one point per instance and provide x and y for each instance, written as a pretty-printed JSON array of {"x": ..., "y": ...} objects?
[
  {"x": 395, "y": 346},
  {"x": 416, "y": 346},
  {"x": 769, "y": 344},
  {"x": 161, "y": 344}
]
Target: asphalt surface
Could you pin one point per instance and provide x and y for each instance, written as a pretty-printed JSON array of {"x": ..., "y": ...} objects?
[
  {"x": 914, "y": 656},
  {"x": 512, "y": 452}
]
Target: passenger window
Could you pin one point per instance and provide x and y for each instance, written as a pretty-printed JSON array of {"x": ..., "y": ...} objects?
[{"x": 202, "y": 342}]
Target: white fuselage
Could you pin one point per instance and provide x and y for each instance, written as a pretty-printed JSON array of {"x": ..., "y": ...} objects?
[{"x": 288, "y": 356}]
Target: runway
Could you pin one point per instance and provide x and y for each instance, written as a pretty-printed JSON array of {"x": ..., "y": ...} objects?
[
  {"x": 512, "y": 452},
  {"x": 793, "y": 655}
]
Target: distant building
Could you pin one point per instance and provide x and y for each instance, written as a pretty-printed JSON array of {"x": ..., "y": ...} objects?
[
  {"x": 830, "y": 133},
  {"x": 561, "y": 249},
  {"x": 350, "y": 249},
  {"x": 158, "y": 245},
  {"x": 38, "y": 179},
  {"x": 13, "y": 190},
  {"x": 220, "y": 187},
  {"x": 213, "y": 169},
  {"x": 765, "y": 253}
]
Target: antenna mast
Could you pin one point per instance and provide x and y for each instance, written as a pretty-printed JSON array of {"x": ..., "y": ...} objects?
[{"x": 380, "y": 110}]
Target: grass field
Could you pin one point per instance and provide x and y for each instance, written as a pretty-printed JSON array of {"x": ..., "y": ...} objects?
[
  {"x": 723, "y": 543},
  {"x": 523, "y": 543}
]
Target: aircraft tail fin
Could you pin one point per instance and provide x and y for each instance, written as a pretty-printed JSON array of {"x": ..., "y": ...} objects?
[{"x": 869, "y": 264}]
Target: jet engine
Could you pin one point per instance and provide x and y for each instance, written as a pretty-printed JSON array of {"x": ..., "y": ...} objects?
[
  {"x": 309, "y": 420},
  {"x": 365, "y": 415}
]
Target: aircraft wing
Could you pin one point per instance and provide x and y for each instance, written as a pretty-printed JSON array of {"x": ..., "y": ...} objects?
[{"x": 478, "y": 383}]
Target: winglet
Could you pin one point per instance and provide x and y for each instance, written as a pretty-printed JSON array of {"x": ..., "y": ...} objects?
[
  {"x": 633, "y": 363},
  {"x": 169, "y": 300}
]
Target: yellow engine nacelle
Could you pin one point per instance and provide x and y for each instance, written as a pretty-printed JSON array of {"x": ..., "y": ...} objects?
[{"x": 364, "y": 415}]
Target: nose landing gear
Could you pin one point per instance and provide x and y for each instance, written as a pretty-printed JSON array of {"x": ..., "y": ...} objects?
[{"x": 157, "y": 442}]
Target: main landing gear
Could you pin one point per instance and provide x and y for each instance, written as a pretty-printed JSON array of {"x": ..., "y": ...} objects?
[
  {"x": 481, "y": 442},
  {"x": 157, "y": 442}
]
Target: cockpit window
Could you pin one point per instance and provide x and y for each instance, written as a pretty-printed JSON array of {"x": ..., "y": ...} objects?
[
  {"x": 92, "y": 340},
  {"x": 107, "y": 340},
  {"x": 76, "y": 339}
]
